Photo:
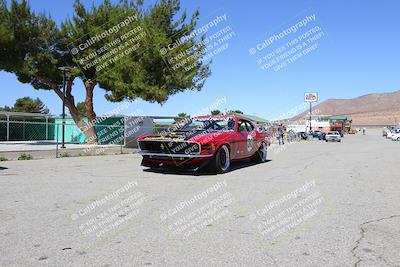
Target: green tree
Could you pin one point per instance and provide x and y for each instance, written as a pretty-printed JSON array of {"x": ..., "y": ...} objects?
[
  {"x": 234, "y": 112},
  {"x": 33, "y": 47},
  {"x": 181, "y": 117},
  {"x": 5, "y": 108},
  {"x": 216, "y": 112},
  {"x": 27, "y": 104}
]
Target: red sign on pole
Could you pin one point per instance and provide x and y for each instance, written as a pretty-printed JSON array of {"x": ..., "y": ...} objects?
[{"x": 310, "y": 97}]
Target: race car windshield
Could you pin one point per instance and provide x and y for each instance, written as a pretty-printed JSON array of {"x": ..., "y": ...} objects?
[{"x": 210, "y": 124}]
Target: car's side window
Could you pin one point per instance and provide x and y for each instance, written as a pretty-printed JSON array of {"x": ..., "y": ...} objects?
[
  {"x": 242, "y": 126},
  {"x": 249, "y": 126},
  {"x": 245, "y": 126}
]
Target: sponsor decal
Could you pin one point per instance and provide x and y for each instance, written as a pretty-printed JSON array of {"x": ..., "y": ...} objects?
[{"x": 250, "y": 142}]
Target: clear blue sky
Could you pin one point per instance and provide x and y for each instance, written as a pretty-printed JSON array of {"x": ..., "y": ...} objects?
[{"x": 358, "y": 54}]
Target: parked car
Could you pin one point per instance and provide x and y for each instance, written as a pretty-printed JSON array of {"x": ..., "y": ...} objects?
[
  {"x": 304, "y": 135},
  {"x": 353, "y": 131},
  {"x": 392, "y": 133},
  {"x": 385, "y": 131},
  {"x": 316, "y": 134},
  {"x": 333, "y": 136},
  {"x": 322, "y": 136},
  {"x": 395, "y": 136},
  {"x": 213, "y": 141}
]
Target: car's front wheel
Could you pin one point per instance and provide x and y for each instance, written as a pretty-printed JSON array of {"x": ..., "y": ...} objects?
[
  {"x": 261, "y": 155},
  {"x": 221, "y": 161}
]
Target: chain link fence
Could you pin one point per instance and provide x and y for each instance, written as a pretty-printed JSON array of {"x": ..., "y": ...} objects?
[
  {"x": 26, "y": 130},
  {"x": 42, "y": 138}
]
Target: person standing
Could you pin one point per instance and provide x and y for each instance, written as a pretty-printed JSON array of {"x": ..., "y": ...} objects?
[
  {"x": 280, "y": 135},
  {"x": 285, "y": 136}
]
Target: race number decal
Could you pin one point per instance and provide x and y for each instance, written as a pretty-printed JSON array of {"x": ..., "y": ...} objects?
[{"x": 250, "y": 142}]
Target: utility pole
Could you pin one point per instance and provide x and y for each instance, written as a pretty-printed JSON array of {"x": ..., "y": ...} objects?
[
  {"x": 310, "y": 116},
  {"x": 64, "y": 69},
  {"x": 309, "y": 98}
]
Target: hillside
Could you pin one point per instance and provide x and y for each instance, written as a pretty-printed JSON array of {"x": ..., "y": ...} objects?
[{"x": 371, "y": 109}]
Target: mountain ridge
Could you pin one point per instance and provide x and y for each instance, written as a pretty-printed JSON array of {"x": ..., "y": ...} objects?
[{"x": 369, "y": 109}]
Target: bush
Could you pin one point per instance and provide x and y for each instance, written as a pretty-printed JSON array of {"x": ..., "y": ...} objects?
[
  {"x": 3, "y": 158},
  {"x": 25, "y": 157},
  {"x": 64, "y": 155}
]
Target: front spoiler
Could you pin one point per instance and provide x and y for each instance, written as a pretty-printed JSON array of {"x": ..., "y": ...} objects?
[
  {"x": 162, "y": 163},
  {"x": 161, "y": 167},
  {"x": 189, "y": 156}
]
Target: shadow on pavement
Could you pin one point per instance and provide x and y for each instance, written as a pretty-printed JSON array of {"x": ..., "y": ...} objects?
[
  {"x": 3, "y": 168},
  {"x": 202, "y": 172},
  {"x": 11, "y": 143}
]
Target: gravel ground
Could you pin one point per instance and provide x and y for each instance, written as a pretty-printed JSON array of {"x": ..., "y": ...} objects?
[{"x": 312, "y": 204}]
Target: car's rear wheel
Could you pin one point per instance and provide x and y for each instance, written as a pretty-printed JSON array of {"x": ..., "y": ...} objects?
[
  {"x": 261, "y": 155},
  {"x": 398, "y": 138},
  {"x": 221, "y": 161}
]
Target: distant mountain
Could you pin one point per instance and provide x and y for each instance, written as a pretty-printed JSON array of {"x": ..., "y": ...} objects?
[{"x": 371, "y": 109}]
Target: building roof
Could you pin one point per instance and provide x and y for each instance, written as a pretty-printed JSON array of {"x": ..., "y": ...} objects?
[
  {"x": 254, "y": 118},
  {"x": 244, "y": 116},
  {"x": 24, "y": 114},
  {"x": 341, "y": 118}
]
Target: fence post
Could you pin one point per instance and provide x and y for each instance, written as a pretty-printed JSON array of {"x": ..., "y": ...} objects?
[
  {"x": 123, "y": 135},
  {"x": 23, "y": 131},
  {"x": 47, "y": 128},
  {"x": 56, "y": 139},
  {"x": 8, "y": 127}
]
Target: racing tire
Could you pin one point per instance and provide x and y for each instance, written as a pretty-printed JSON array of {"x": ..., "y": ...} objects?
[
  {"x": 261, "y": 155},
  {"x": 221, "y": 162}
]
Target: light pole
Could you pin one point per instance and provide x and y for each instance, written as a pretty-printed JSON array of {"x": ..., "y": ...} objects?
[
  {"x": 310, "y": 116},
  {"x": 309, "y": 98},
  {"x": 64, "y": 69}
]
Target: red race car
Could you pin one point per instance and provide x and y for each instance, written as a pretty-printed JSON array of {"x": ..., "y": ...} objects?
[{"x": 215, "y": 141}]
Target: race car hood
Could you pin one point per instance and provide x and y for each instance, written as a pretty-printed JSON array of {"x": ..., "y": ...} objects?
[{"x": 194, "y": 136}]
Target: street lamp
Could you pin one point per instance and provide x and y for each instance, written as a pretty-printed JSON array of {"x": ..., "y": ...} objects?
[{"x": 64, "y": 69}]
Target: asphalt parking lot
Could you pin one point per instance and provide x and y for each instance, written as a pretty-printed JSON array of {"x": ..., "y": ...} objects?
[{"x": 312, "y": 204}]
